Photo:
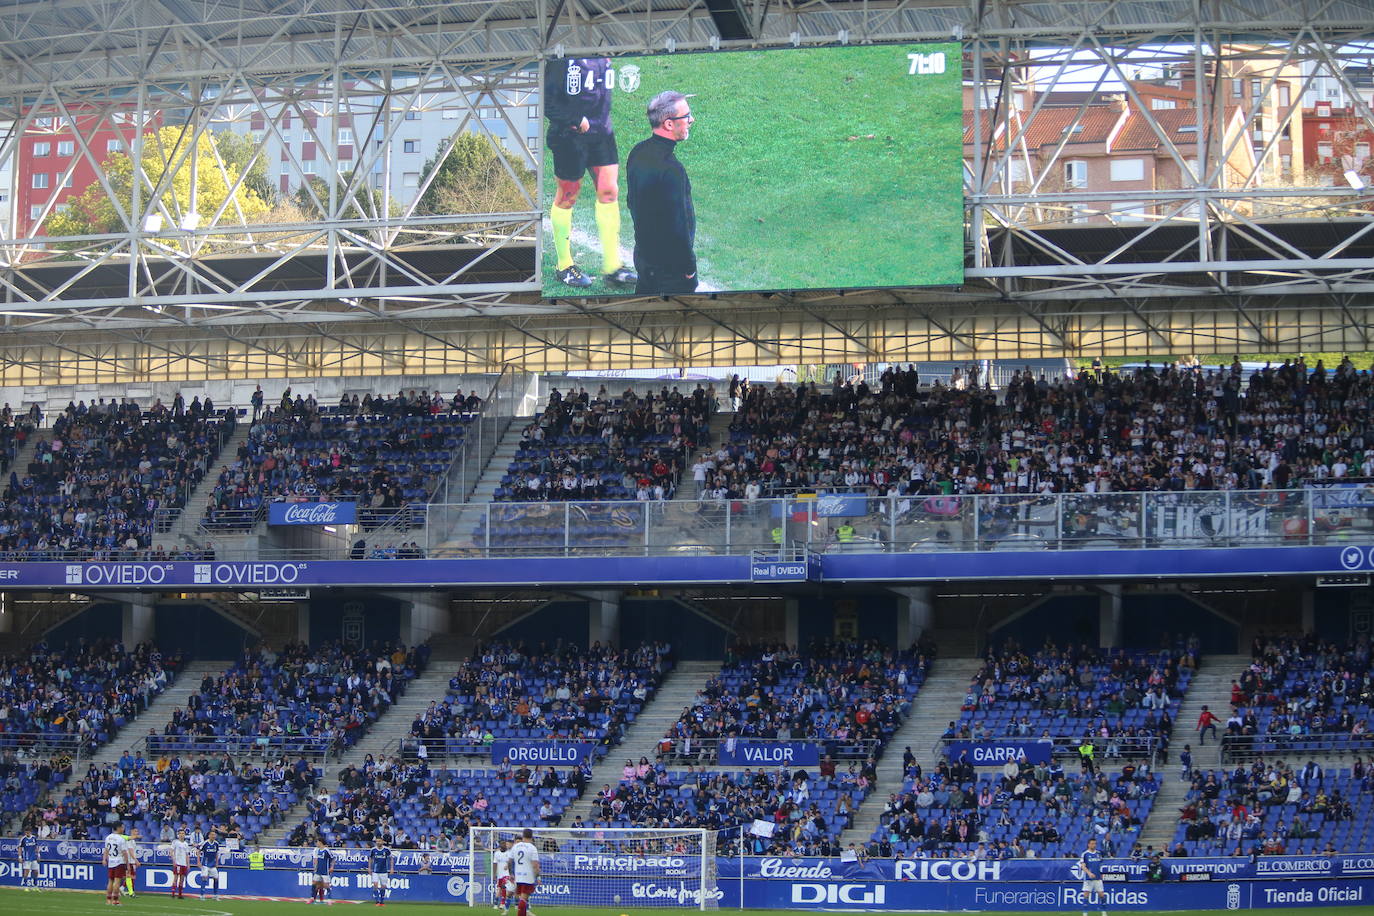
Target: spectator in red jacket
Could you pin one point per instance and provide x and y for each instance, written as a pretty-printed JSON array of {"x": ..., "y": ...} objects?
[{"x": 1206, "y": 720}]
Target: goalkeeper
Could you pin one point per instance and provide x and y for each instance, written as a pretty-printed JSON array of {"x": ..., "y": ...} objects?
[{"x": 500, "y": 873}]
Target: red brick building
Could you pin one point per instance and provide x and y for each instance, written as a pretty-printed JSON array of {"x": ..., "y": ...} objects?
[{"x": 58, "y": 158}]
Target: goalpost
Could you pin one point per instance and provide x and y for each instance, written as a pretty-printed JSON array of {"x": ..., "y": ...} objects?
[{"x": 604, "y": 867}]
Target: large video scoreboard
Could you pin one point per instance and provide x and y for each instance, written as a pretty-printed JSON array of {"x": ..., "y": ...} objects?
[{"x": 814, "y": 168}]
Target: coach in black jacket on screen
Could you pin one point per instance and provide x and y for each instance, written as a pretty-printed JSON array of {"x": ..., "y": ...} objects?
[{"x": 660, "y": 201}]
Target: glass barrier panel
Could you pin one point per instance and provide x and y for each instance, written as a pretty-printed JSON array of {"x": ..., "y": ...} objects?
[
  {"x": 1018, "y": 521},
  {"x": 1098, "y": 521},
  {"x": 921, "y": 524},
  {"x": 606, "y": 528}
]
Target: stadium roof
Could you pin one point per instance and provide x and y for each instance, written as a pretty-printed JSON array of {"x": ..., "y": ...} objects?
[{"x": 1031, "y": 290}]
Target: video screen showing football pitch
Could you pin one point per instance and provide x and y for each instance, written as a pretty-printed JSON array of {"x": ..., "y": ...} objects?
[{"x": 784, "y": 169}]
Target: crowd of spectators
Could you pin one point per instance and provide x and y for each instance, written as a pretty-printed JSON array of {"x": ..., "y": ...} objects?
[
  {"x": 808, "y": 811},
  {"x": 384, "y": 452},
  {"x": 1160, "y": 428},
  {"x": 848, "y": 695},
  {"x": 95, "y": 485},
  {"x": 320, "y": 698},
  {"x": 1024, "y": 811},
  {"x": 1268, "y": 807},
  {"x": 161, "y": 795},
  {"x": 511, "y": 691},
  {"x": 26, "y": 776},
  {"x": 79, "y": 696},
  {"x": 403, "y": 404},
  {"x": 1303, "y": 691},
  {"x": 15, "y": 431},
  {"x": 585, "y": 447},
  {"x": 412, "y": 806},
  {"x": 1123, "y": 703}
]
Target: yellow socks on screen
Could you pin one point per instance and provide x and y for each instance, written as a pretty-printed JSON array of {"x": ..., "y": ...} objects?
[
  {"x": 608, "y": 228},
  {"x": 562, "y": 235}
]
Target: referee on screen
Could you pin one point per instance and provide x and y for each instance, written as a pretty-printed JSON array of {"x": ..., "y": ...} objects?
[
  {"x": 660, "y": 199},
  {"x": 577, "y": 104}
]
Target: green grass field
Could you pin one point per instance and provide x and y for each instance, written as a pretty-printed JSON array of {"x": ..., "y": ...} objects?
[
  {"x": 52, "y": 903},
  {"x": 813, "y": 168}
]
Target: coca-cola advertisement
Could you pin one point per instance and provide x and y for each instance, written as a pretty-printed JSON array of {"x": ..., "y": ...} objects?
[{"x": 331, "y": 513}]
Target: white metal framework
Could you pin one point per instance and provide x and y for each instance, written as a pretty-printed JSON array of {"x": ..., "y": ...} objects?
[{"x": 194, "y": 274}]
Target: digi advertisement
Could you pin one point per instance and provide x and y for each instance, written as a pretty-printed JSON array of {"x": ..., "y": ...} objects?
[{"x": 753, "y": 171}]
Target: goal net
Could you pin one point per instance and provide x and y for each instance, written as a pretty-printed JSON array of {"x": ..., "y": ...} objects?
[{"x": 603, "y": 867}]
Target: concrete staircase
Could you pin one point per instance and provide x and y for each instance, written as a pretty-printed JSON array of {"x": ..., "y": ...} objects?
[
  {"x": 719, "y": 432},
  {"x": 381, "y": 740},
  {"x": 159, "y": 712},
  {"x": 675, "y": 694},
  {"x": 1158, "y": 831},
  {"x": 1211, "y": 687},
  {"x": 468, "y": 519},
  {"x": 499, "y": 462},
  {"x": 935, "y": 705},
  {"x": 24, "y": 456},
  {"x": 395, "y": 723},
  {"x": 186, "y": 529}
]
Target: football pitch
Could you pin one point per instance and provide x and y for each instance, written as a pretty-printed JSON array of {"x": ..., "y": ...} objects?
[{"x": 60, "y": 903}]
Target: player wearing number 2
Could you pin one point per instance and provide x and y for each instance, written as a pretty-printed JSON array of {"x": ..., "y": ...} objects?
[
  {"x": 524, "y": 863},
  {"x": 577, "y": 104}
]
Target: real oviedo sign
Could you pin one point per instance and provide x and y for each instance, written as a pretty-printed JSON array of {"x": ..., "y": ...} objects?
[{"x": 335, "y": 513}]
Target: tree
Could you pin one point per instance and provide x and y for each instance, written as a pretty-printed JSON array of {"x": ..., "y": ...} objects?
[
  {"x": 94, "y": 210},
  {"x": 366, "y": 202},
  {"x": 471, "y": 178},
  {"x": 237, "y": 151}
]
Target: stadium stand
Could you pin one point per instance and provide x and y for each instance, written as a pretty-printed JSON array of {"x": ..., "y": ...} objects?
[
  {"x": 385, "y": 453},
  {"x": 1040, "y": 811},
  {"x": 1272, "y": 808},
  {"x": 160, "y": 796},
  {"x": 1303, "y": 695},
  {"x": 809, "y": 811},
  {"x": 95, "y": 485},
  {"x": 585, "y": 447},
  {"x": 414, "y": 807},
  {"x": 507, "y": 691},
  {"x": 24, "y": 780},
  {"x": 1124, "y": 702},
  {"x": 849, "y": 695},
  {"x": 78, "y": 697},
  {"x": 1155, "y": 429},
  {"x": 313, "y": 700}
]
